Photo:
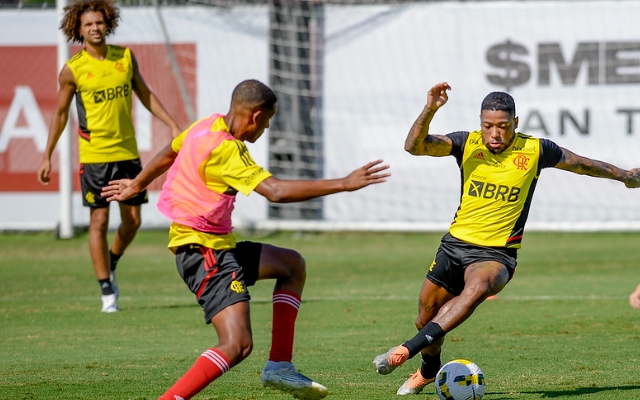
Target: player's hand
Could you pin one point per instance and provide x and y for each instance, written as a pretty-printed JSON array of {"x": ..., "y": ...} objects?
[
  {"x": 120, "y": 190},
  {"x": 633, "y": 178},
  {"x": 634, "y": 299},
  {"x": 366, "y": 175},
  {"x": 437, "y": 96},
  {"x": 44, "y": 171}
]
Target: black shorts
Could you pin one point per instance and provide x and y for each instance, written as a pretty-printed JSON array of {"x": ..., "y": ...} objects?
[
  {"x": 219, "y": 278},
  {"x": 454, "y": 255},
  {"x": 93, "y": 177}
]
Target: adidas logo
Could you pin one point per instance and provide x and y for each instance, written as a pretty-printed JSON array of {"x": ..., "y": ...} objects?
[
  {"x": 429, "y": 337},
  {"x": 479, "y": 155}
]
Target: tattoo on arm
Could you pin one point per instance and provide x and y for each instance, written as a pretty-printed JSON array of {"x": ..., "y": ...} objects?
[
  {"x": 438, "y": 145},
  {"x": 586, "y": 166},
  {"x": 415, "y": 142},
  {"x": 420, "y": 142}
]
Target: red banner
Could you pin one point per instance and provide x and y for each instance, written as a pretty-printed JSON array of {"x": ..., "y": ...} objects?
[{"x": 28, "y": 94}]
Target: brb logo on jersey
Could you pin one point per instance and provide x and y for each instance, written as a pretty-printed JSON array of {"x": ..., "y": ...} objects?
[
  {"x": 100, "y": 96},
  {"x": 488, "y": 190}
]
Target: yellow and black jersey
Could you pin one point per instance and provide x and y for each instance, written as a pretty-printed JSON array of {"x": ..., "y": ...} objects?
[
  {"x": 103, "y": 99},
  {"x": 497, "y": 189}
]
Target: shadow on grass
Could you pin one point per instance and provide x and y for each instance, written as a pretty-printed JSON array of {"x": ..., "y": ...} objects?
[{"x": 552, "y": 394}]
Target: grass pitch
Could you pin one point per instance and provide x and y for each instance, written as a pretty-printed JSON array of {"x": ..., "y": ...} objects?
[{"x": 562, "y": 329}]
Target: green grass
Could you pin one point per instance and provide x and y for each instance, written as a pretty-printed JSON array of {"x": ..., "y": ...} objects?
[{"x": 562, "y": 329}]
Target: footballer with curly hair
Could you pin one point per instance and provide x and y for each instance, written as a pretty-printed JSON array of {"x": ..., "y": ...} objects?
[{"x": 103, "y": 78}]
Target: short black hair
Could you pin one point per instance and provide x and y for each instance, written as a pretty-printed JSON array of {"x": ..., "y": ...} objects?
[
  {"x": 254, "y": 94},
  {"x": 499, "y": 101}
]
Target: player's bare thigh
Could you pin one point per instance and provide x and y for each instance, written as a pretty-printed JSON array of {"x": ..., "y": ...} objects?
[
  {"x": 279, "y": 262},
  {"x": 432, "y": 298},
  {"x": 484, "y": 279}
]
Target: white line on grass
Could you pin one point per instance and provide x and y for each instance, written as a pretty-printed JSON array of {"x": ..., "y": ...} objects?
[
  {"x": 386, "y": 298},
  {"x": 183, "y": 301},
  {"x": 500, "y": 297}
]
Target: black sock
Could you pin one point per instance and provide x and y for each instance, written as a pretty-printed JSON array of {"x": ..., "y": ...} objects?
[
  {"x": 427, "y": 335},
  {"x": 113, "y": 259},
  {"x": 430, "y": 365},
  {"x": 105, "y": 285}
]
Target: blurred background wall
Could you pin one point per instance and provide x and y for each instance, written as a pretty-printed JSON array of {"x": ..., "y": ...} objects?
[{"x": 351, "y": 78}]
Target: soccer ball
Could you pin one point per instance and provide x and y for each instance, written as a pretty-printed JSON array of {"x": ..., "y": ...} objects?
[{"x": 460, "y": 380}]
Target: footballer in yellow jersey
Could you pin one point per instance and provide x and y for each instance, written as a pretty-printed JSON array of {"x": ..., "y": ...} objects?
[
  {"x": 499, "y": 169},
  {"x": 211, "y": 164},
  {"x": 103, "y": 97},
  {"x": 497, "y": 188},
  {"x": 103, "y": 78}
]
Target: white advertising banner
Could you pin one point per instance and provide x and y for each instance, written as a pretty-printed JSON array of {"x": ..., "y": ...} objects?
[{"x": 573, "y": 68}]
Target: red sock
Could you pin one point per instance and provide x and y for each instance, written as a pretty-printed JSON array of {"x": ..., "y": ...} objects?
[
  {"x": 207, "y": 368},
  {"x": 285, "y": 312}
]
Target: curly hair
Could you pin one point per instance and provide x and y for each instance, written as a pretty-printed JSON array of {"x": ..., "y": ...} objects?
[{"x": 70, "y": 24}]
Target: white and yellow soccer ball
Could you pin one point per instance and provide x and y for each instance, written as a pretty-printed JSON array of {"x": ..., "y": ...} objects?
[{"x": 460, "y": 380}]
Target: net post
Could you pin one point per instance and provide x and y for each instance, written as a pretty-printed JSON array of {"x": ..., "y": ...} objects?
[
  {"x": 65, "y": 228},
  {"x": 296, "y": 75}
]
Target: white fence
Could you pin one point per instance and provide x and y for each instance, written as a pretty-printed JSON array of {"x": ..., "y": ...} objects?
[{"x": 573, "y": 68}]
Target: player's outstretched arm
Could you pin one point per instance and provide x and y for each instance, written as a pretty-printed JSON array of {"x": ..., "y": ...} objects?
[
  {"x": 123, "y": 189},
  {"x": 419, "y": 142},
  {"x": 599, "y": 169},
  {"x": 288, "y": 191}
]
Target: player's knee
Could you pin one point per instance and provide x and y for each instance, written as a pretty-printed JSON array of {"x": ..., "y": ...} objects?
[
  {"x": 298, "y": 266},
  {"x": 421, "y": 321},
  {"x": 477, "y": 291},
  {"x": 237, "y": 351},
  {"x": 99, "y": 222},
  {"x": 131, "y": 221},
  {"x": 246, "y": 349},
  {"x": 426, "y": 312},
  {"x": 132, "y": 224}
]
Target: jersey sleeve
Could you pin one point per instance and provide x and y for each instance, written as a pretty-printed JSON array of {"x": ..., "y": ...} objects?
[
  {"x": 550, "y": 153},
  {"x": 240, "y": 171},
  {"x": 458, "y": 140},
  {"x": 176, "y": 143}
]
